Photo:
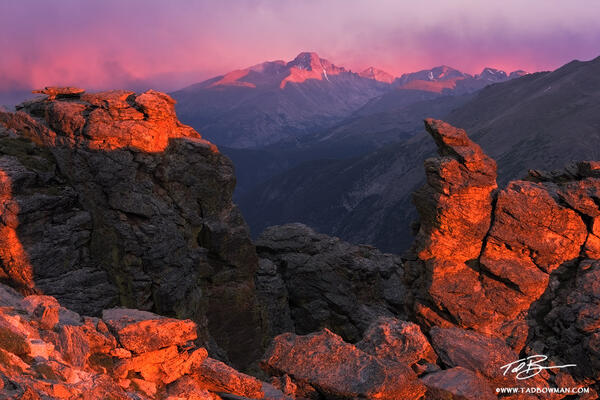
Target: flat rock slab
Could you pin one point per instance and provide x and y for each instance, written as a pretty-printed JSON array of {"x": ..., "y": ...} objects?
[
  {"x": 54, "y": 92},
  {"x": 219, "y": 377},
  {"x": 142, "y": 331}
]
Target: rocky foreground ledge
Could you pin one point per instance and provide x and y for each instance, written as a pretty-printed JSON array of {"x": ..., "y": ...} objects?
[
  {"x": 48, "y": 351},
  {"x": 128, "y": 273}
]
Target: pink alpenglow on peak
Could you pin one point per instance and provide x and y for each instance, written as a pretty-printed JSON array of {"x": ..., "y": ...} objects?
[{"x": 377, "y": 75}]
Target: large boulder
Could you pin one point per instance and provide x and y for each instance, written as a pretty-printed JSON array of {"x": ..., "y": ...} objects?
[
  {"x": 142, "y": 331},
  {"x": 311, "y": 281},
  {"x": 400, "y": 341},
  {"x": 338, "y": 369}
]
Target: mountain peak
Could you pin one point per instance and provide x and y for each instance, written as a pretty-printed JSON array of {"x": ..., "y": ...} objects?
[
  {"x": 435, "y": 74},
  {"x": 307, "y": 61},
  {"x": 444, "y": 72},
  {"x": 377, "y": 75},
  {"x": 517, "y": 74},
  {"x": 492, "y": 75}
]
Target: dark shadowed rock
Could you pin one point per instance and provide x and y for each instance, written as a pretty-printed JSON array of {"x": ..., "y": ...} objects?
[
  {"x": 472, "y": 350},
  {"x": 273, "y": 294},
  {"x": 568, "y": 321},
  {"x": 484, "y": 355},
  {"x": 326, "y": 282},
  {"x": 339, "y": 370},
  {"x": 44, "y": 230}
]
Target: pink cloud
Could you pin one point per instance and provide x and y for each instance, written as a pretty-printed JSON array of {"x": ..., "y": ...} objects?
[{"x": 166, "y": 45}]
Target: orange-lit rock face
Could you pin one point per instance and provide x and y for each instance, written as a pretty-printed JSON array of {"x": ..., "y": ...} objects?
[
  {"x": 456, "y": 204},
  {"x": 484, "y": 257},
  {"x": 81, "y": 357},
  {"x": 13, "y": 258},
  {"x": 339, "y": 369},
  {"x": 233, "y": 79},
  {"x": 219, "y": 377},
  {"x": 113, "y": 120},
  {"x": 515, "y": 268},
  {"x": 456, "y": 210},
  {"x": 532, "y": 235},
  {"x": 141, "y": 332}
]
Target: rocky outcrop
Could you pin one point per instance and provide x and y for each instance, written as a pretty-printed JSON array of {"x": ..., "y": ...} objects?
[
  {"x": 109, "y": 200},
  {"x": 338, "y": 370},
  {"x": 395, "y": 360},
  {"x": 482, "y": 258},
  {"x": 456, "y": 211},
  {"x": 311, "y": 281},
  {"x": 495, "y": 275},
  {"x": 91, "y": 358},
  {"x": 516, "y": 264}
]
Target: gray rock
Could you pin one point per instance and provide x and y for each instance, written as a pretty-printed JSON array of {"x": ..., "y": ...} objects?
[
  {"x": 329, "y": 283},
  {"x": 45, "y": 231},
  {"x": 395, "y": 340}
]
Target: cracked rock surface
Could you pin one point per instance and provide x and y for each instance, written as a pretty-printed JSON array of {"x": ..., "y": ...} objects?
[{"x": 115, "y": 202}]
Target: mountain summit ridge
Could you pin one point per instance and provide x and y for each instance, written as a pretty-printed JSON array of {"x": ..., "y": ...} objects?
[{"x": 275, "y": 101}]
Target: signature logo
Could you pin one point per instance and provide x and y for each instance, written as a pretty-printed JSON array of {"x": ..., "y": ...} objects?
[{"x": 529, "y": 367}]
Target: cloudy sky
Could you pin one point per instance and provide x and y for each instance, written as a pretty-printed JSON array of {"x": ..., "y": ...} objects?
[{"x": 169, "y": 44}]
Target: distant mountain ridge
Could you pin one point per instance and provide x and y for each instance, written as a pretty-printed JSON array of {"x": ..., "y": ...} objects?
[
  {"x": 277, "y": 100},
  {"x": 439, "y": 79},
  {"x": 542, "y": 120}
]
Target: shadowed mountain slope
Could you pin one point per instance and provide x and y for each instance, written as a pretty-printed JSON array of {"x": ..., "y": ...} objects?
[
  {"x": 275, "y": 100},
  {"x": 541, "y": 120}
]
